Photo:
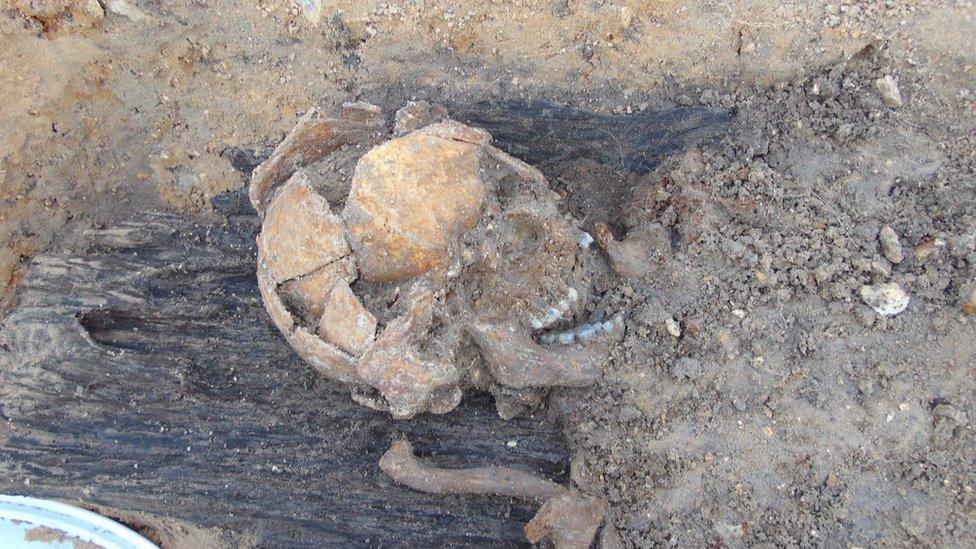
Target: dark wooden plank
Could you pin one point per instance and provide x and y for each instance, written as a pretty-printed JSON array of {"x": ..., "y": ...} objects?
[{"x": 144, "y": 378}]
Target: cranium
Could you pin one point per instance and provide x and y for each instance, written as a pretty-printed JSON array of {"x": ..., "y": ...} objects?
[{"x": 437, "y": 265}]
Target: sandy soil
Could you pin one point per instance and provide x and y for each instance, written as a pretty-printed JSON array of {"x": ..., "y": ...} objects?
[{"x": 786, "y": 411}]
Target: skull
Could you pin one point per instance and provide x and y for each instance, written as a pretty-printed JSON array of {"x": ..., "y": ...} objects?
[{"x": 437, "y": 263}]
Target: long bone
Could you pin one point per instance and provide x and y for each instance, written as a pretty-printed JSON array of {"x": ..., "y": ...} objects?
[
  {"x": 569, "y": 519},
  {"x": 400, "y": 463}
]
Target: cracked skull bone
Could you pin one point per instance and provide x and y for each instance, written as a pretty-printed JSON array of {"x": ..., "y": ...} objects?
[{"x": 443, "y": 241}]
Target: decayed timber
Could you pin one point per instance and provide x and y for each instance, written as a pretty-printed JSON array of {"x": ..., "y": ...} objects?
[{"x": 144, "y": 379}]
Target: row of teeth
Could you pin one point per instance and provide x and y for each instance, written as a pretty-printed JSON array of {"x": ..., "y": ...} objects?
[
  {"x": 581, "y": 333},
  {"x": 555, "y": 313}
]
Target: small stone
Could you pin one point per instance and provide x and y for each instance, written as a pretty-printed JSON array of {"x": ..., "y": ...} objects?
[
  {"x": 124, "y": 8},
  {"x": 915, "y": 523},
  {"x": 925, "y": 249},
  {"x": 832, "y": 480},
  {"x": 866, "y": 316},
  {"x": 880, "y": 267},
  {"x": 672, "y": 327},
  {"x": 890, "y": 245},
  {"x": 886, "y": 299},
  {"x": 962, "y": 246},
  {"x": 888, "y": 88},
  {"x": 314, "y": 10}
]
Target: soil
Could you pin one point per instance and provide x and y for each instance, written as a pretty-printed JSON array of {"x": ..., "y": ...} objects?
[{"x": 786, "y": 411}]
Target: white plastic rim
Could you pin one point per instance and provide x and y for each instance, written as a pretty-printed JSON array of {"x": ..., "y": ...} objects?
[{"x": 27, "y": 522}]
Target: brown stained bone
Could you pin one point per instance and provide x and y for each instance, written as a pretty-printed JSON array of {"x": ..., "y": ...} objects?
[
  {"x": 408, "y": 382},
  {"x": 403, "y": 467},
  {"x": 516, "y": 360},
  {"x": 314, "y": 137},
  {"x": 416, "y": 205},
  {"x": 300, "y": 233},
  {"x": 412, "y": 198},
  {"x": 629, "y": 257},
  {"x": 307, "y": 295},
  {"x": 345, "y": 322},
  {"x": 570, "y": 521},
  {"x": 325, "y": 358}
]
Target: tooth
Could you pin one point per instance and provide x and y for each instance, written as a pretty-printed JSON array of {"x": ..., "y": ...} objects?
[
  {"x": 535, "y": 323},
  {"x": 515, "y": 360},
  {"x": 547, "y": 339},
  {"x": 586, "y": 332},
  {"x": 552, "y": 316}
]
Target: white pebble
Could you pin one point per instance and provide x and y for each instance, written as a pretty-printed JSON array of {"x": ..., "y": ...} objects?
[{"x": 887, "y": 299}]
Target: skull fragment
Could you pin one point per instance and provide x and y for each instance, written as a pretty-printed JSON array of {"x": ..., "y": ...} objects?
[{"x": 416, "y": 266}]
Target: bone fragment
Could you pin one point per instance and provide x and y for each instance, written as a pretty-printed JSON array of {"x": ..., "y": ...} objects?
[
  {"x": 300, "y": 233},
  {"x": 310, "y": 140},
  {"x": 415, "y": 115},
  {"x": 516, "y": 360},
  {"x": 629, "y": 257},
  {"x": 306, "y": 295},
  {"x": 324, "y": 357},
  {"x": 124, "y": 8},
  {"x": 345, "y": 322},
  {"x": 570, "y": 521},
  {"x": 413, "y": 197},
  {"x": 582, "y": 333},
  {"x": 403, "y": 467},
  {"x": 410, "y": 383}
]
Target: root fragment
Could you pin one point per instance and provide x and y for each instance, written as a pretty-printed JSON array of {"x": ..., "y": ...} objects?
[
  {"x": 404, "y": 467},
  {"x": 516, "y": 360}
]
